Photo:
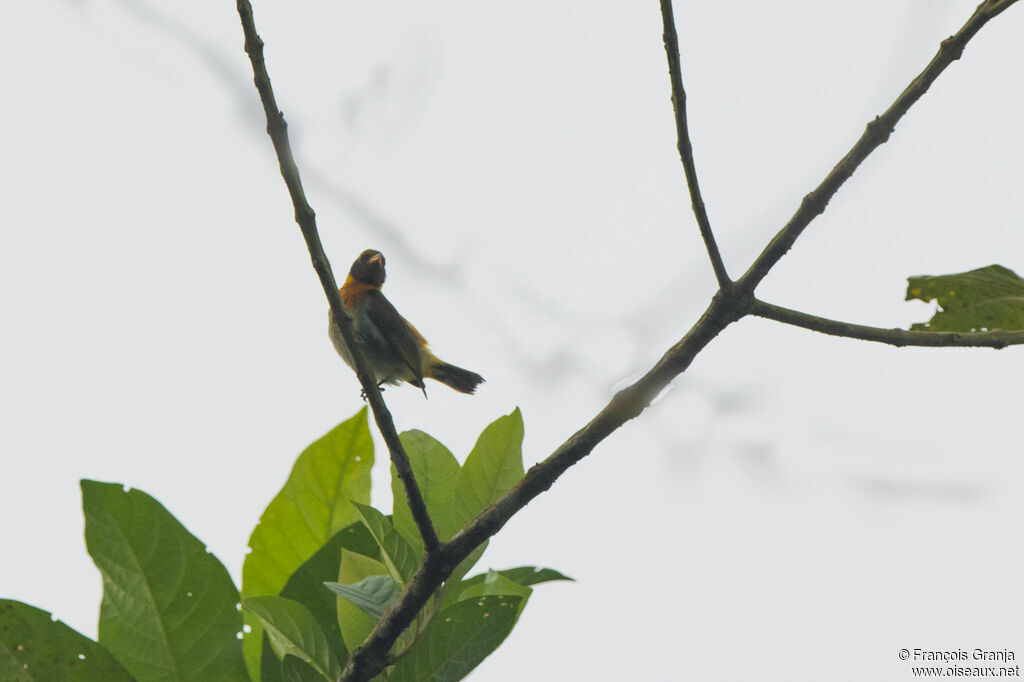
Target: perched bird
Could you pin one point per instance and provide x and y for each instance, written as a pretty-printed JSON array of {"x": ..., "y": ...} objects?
[{"x": 394, "y": 350}]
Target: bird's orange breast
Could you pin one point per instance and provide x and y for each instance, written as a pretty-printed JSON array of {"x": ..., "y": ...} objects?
[{"x": 353, "y": 291}]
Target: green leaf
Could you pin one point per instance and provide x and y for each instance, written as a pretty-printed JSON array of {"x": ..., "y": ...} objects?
[
  {"x": 435, "y": 469},
  {"x": 373, "y": 594},
  {"x": 313, "y": 505},
  {"x": 293, "y": 630},
  {"x": 354, "y": 623},
  {"x": 457, "y": 640},
  {"x": 306, "y": 585},
  {"x": 395, "y": 552},
  {"x": 523, "y": 576},
  {"x": 169, "y": 609},
  {"x": 531, "y": 575},
  {"x": 493, "y": 466},
  {"x": 270, "y": 665},
  {"x": 493, "y": 583},
  {"x": 294, "y": 669},
  {"x": 453, "y": 585},
  {"x": 983, "y": 299},
  {"x": 33, "y": 646}
]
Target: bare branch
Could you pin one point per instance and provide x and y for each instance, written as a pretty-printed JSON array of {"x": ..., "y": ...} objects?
[
  {"x": 876, "y": 133},
  {"x": 306, "y": 218},
  {"x": 683, "y": 144},
  {"x": 894, "y": 337}
]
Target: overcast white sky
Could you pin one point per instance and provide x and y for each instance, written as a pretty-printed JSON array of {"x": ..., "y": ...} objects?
[{"x": 796, "y": 507}]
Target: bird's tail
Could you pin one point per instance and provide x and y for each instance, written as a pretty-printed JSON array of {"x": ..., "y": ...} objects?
[{"x": 460, "y": 379}]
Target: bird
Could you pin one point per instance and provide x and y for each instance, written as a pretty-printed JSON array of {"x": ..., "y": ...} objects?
[{"x": 394, "y": 350}]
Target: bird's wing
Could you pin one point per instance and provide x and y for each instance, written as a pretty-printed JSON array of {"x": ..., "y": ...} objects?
[{"x": 402, "y": 336}]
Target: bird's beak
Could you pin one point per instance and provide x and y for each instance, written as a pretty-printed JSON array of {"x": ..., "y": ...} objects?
[{"x": 376, "y": 258}]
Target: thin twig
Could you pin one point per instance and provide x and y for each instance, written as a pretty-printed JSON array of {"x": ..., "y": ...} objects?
[
  {"x": 683, "y": 143},
  {"x": 876, "y": 133},
  {"x": 894, "y": 337},
  {"x": 304, "y": 216}
]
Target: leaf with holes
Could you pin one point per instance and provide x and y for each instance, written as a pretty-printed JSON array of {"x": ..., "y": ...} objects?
[
  {"x": 494, "y": 583},
  {"x": 169, "y": 607},
  {"x": 980, "y": 300},
  {"x": 34, "y": 646},
  {"x": 457, "y": 640}
]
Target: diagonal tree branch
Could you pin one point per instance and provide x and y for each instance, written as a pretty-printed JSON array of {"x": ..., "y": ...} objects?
[
  {"x": 627, "y": 404},
  {"x": 306, "y": 218},
  {"x": 894, "y": 337},
  {"x": 671, "y": 41},
  {"x": 876, "y": 133}
]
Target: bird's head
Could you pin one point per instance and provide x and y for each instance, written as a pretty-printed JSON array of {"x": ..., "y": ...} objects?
[{"x": 369, "y": 268}]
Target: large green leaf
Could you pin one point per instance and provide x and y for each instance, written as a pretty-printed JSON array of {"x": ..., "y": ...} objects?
[
  {"x": 983, "y": 299},
  {"x": 355, "y": 624},
  {"x": 457, "y": 640},
  {"x": 435, "y": 469},
  {"x": 493, "y": 466},
  {"x": 293, "y": 630},
  {"x": 314, "y": 504},
  {"x": 34, "y": 647},
  {"x": 395, "y": 552},
  {"x": 169, "y": 609},
  {"x": 306, "y": 585}
]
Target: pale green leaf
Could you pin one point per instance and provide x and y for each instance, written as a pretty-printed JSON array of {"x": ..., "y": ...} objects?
[
  {"x": 493, "y": 466},
  {"x": 373, "y": 594},
  {"x": 435, "y": 469},
  {"x": 314, "y": 504}
]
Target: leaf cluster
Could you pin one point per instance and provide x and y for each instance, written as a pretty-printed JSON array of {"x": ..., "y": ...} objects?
[{"x": 324, "y": 566}]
